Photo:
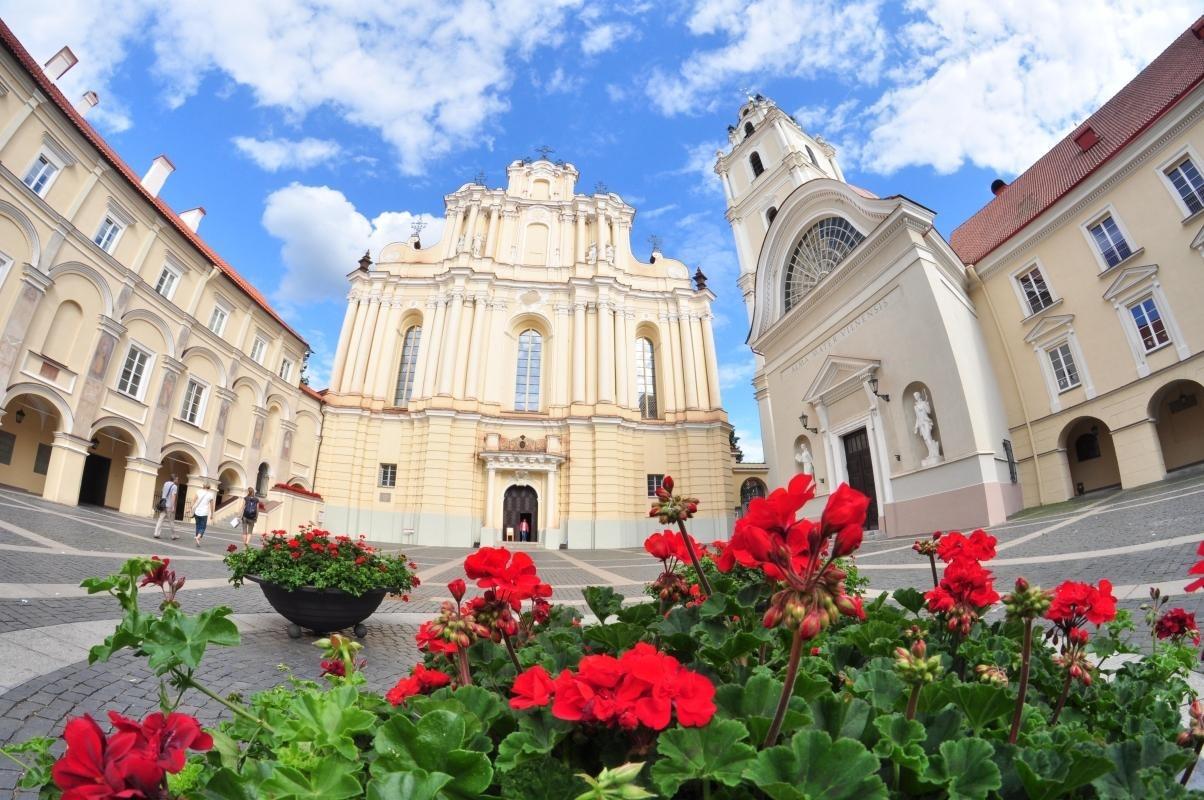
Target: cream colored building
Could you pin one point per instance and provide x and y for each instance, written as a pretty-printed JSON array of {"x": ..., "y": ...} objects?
[
  {"x": 871, "y": 366},
  {"x": 1090, "y": 285},
  {"x": 129, "y": 349},
  {"x": 526, "y": 367}
]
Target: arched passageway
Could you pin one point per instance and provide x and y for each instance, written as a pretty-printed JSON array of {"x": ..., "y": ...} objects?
[
  {"x": 1091, "y": 455},
  {"x": 1178, "y": 413},
  {"x": 104, "y": 467},
  {"x": 27, "y": 440},
  {"x": 182, "y": 466}
]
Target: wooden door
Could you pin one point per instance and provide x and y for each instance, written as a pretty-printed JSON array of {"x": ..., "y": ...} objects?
[
  {"x": 860, "y": 467},
  {"x": 519, "y": 503}
]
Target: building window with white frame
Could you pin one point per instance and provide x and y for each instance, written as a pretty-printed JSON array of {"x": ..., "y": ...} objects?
[
  {"x": 527, "y": 377},
  {"x": 286, "y": 369},
  {"x": 218, "y": 318},
  {"x": 1188, "y": 182},
  {"x": 408, "y": 366},
  {"x": 388, "y": 475},
  {"x": 108, "y": 234},
  {"x": 645, "y": 378},
  {"x": 655, "y": 481},
  {"x": 131, "y": 381},
  {"x": 41, "y": 174},
  {"x": 1036, "y": 291},
  {"x": 1110, "y": 241},
  {"x": 193, "y": 409},
  {"x": 1066, "y": 374},
  {"x": 1150, "y": 328},
  {"x": 6, "y": 263},
  {"x": 259, "y": 348},
  {"x": 169, "y": 279}
]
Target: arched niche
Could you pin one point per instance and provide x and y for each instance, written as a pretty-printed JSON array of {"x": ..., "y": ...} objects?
[{"x": 918, "y": 402}]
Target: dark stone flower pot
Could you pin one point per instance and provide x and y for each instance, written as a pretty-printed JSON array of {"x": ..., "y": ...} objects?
[{"x": 320, "y": 610}]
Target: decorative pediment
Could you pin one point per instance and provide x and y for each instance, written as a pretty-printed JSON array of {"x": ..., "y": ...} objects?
[
  {"x": 839, "y": 376},
  {"x": 1198, "y": 242},
  {"x": 1129, "y": 280},
  {"x": 1048, "y": 326}
]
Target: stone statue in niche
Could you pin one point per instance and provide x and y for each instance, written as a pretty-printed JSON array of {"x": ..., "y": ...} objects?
[
  {"x": 477, "y": 243},
  {"x": 610, "y": 254},
  {"x": 460, "y": 244},
  {"x": 804, "y": 459},
  {"x": 591, "y": 253},
  {"x": 923, "y": 427}
]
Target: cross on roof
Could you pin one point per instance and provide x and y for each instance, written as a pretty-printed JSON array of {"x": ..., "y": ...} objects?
[
  {"x": 600, "y": 188},
  {"x": 655, "y": 241},
  {"x": 543, "y": 151},
  {"x": 416, "y": 226},
  {"x": 479, "y": 178}
]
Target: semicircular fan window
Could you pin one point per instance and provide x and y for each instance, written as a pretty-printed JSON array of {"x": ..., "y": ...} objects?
[{"x": 819, "y": 251}]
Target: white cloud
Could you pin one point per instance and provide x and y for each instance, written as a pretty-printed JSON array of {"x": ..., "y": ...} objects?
[
  {"x": 604, "y": 37},
  {"x": 771, "y": 38},
  {"x": 323, "y": 235},
  {"x": 559, "y": 82},
  {"x": 653, "y": 213},
  {"x": 277, "y": 154},
  {"x": 750, "y": 443},
  {"x": 616, "y": 93},
  {"x": 700, "y": 163},
  {"x": 738, "y": 374}
]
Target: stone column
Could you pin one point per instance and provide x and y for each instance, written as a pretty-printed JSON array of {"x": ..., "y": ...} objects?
[
  {"x": 578, "y": 352},
  {"x": 560, "y": 374},
  {"x": 566, "y": 240},
  {"x": 668, "y": 368},
  {"x": 453, "y": 231},
  {"x": 365, "y": 346},
  {"x": 622, "y": 350},
  {"x": 351, "y": 351},
  {"x": 385, "y": 353},
  {"x": 432, "y": 344},
  {"x": 66, "y": 469},
  {"x": 470, "y": 230},
  {"x": 712, "y": 363},
  {"x": 491, "y": 234},
  {"x": 606, "y": 353},
  {"x": 727, "y": 187},
  {"x": 603, "y": 234},
  {"x": 688, "y": 362},
  {"x": 340, "y": 353},
  {"x": 138, "y": 491},
  {"x": 466, "y": 348},
  {"x": 33, "y": 288},
  {"x": 448, "y": 366},
  {"x": 579, "y": 255}
]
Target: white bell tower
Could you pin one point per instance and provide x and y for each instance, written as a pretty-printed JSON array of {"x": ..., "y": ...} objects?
[{"x": 770, "y": 157}]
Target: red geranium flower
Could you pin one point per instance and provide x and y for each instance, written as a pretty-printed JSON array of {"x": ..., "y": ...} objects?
[
  {"x": 511, "y": 575},
  {"x": 531, "y": 689},
  {"x": 845, "y": 514},
  {"x": 420, "y": 681},
  {"x": 1075, "y": 603},
  {"x": 1197, "y": 569},
  {"x": 1177, "y": 624},
  {"x": 978, "y": 546},
  {"x": 433, "y": 642},
  {"x": 965, "y": 590}
]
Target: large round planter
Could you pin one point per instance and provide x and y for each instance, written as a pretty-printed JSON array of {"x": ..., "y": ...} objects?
[{"x": 320, "y": 610}]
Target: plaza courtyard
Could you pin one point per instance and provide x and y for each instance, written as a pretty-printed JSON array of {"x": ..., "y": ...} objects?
[{"x": 1137, "y": 539}]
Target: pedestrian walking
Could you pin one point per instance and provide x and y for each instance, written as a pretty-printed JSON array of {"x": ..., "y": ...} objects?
[
  {"x": 524, "y": 530},
  {"x": 250, "y": 514},
  {"x": 202, "y": 506},
  {"x": 165, "y": 507}
]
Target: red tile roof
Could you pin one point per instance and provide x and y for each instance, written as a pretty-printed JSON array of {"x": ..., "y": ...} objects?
[
  {"x": 1156, "y": 89},
  {"x": 48, "y": 88},
  {"x": 314, "y": 393}
]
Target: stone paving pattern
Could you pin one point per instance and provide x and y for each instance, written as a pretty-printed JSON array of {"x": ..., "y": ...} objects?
[{"x": 1135, "y": 538}]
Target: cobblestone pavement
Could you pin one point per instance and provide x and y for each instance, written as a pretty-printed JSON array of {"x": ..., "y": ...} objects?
[{"x": 1135, "y": 538}]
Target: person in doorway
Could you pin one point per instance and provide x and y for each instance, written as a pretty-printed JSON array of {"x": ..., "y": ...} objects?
[
  {"x": 202, "y": 507},
  {"x": 165, "y": 507},
  {"x": 250, "y": 514},
  {"x": 524, "y": 530}
]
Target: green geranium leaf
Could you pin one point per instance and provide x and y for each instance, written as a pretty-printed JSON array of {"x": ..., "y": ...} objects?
[
  {"x": 982, "y": 703},
  {"x": 727, "y": 649},
  {"x": 434, "y": 744},
  {"x": 180, "y": 639},
  {"x": 333, "y": 779},
  {"x": 537, "y": 734},
  {"x": 842, "y": 718},
  {"x": 717, "y": 752},
  {"x": 755, "y": 703},
  {"x": 966, "y": 768},
  {"x": 909, "y": 598},
  {"x": 900, "y": 741},
  {"x": 943, "y": 726},
  {"x": 484, "y": 705},
  {"x": 1131, "y": 758},
  {"x": 603, "y": 601},
  {"x": 416, "y": 784},
  {"x": 543, "y": 779},
  {"x": 328, "y": 719},
  {"x": 882, "y": 687},
  {"x": 873, "y": 638},
  {"x": 813, "y": 766},
  {"x": 638, "y": 614},
  {"x": 1047, "y": 773},
  {"x": 615, "y": 637},
  {"x": 227, "y": 784}
]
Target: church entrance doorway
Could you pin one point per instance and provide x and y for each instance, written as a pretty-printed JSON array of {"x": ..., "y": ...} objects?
[
  {"x": 860, "y": 467},
  {"x": 520, "y": 514}
]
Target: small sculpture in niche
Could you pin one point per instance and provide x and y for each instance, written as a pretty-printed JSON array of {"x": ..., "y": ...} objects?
[
  {"x": 804, "y": 459},
  {"x": 610, "y": 254},
  {"x": 477, "y": 242},
  {"x": 924, "y": 426},
  {"x": 591, "y": 253},
  {"x": 460, "y": 244}
]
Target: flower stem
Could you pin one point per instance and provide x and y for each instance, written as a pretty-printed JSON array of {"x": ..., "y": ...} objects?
[
  {"x": 702, "y": 579},
  {"x": 936, "y": 582},
  {"x": 1025, "y": 656},
  {"x": 1192, "y": 766},
  {"x": 462, "y": 667},
  {"x": 188, "y": 680},
  {"x": 913, "y": 701},
  {"x": 513, "y": 655},
  {"x": 1061, "y": 699},
  {"x": 796, "y": 651}
]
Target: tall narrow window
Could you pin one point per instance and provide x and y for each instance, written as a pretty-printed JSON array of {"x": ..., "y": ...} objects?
[
  {"x": 259, "y": 348},
  {"x": 645, "y": 378},
  {"x": 811, "y": 155},
  {"x": 770, "y": 214},
  {"x": 1187, "y": 182},
  {"x": 166, "y": 285},
  {"x": 40, "y": 174},
  {"x": 748, "y": 129},
  {"x": 409, "y": 365},
  {"x": 1062, "y": 361},
  {"x": 286, "y": 369},
  {"x": 1036, "y": 292},
  {"x": 194, "y": 402},
  {"x": 132, "y": 372},
  {"x": 1149, "y": 324},
  {"x": 755, "y": 162},
  {"x": 219, "y": 318},
  {"x": 106, "y": 237},
  {"x": 526, "y": 382},
  {"x": 1111, "y": 242}
]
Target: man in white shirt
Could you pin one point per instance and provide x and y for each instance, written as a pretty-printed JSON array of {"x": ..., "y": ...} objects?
[
  {"x": 165, "y": 508},
  {"x": 202, "y": 507}
]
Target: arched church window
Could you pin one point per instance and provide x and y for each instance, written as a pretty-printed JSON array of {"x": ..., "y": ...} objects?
[
  {"x": 755, "y": 162},
  {"x": 748, "y": 129},
  {"x": 645, "y": 378},
  {"x": 526, "y": 382},
  {"x": 811, "y": 154},
  {"x": 770, "y": 214},
  {"x": 409, "y": 364},
  {"x": 818, "y": 251},
  {"x": 750, "y": 490}
]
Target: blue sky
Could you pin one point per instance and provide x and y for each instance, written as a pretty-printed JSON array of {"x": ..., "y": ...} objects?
[{"x": 311, "y": 131}]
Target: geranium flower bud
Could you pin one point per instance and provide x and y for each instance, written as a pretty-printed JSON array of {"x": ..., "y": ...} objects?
[
  {"x": 1185, "y": 739},
  {"x": 457, "y": 589},
  {"x": 667, "y": 483},
  {"x": 772, "y": 617},
  {"x": 811, "y": 625}
]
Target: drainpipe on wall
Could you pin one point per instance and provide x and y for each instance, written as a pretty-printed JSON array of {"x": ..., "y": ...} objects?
[{"x": 1007, "y": 353}]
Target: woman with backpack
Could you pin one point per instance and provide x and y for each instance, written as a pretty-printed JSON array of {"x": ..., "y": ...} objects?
[{"x": 250, "y": 514}]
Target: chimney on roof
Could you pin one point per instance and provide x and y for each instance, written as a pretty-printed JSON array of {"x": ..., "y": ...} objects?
[
  {"x": 997, "y": 186},
  {"x": 86, "y": 103},
  {"x": 157, "y": 175},
  {"x": 1086, "y": 138},
  {"x": 59, "y": 63},
  {"x": 192, "y": 218},
  {"x": 1198, "y": 28}
]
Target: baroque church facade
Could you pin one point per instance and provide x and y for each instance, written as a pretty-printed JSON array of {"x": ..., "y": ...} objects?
[{"x": 525, "y": 374}]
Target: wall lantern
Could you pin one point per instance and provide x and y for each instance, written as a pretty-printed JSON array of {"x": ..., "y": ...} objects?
[
  {"x": 874, "y": 389},
  {"x": 803, "y": 419},
  {"x": 20, "y": 415}
]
